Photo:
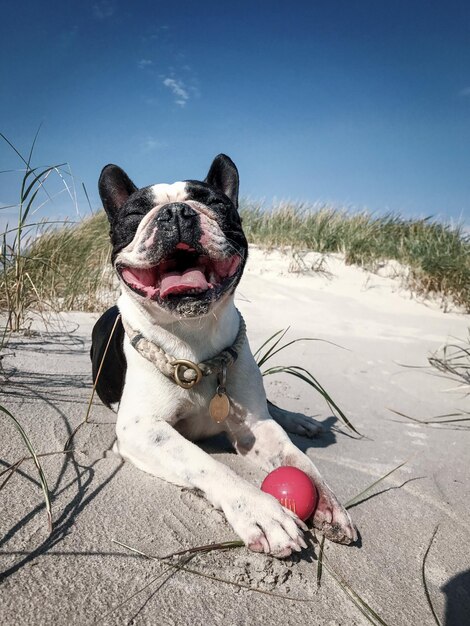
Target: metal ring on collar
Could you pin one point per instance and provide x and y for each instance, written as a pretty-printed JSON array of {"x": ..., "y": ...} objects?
[{"x": 186, "y": 384}]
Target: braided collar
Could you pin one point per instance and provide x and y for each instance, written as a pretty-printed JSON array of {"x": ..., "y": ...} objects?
[{"x": 183, "y": 372}]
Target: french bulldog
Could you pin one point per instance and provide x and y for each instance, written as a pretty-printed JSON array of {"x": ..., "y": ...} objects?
[{"x": 179, "y": 252}]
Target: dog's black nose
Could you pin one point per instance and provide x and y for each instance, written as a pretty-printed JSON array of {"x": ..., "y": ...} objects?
[
  {"x": 179, "y": 223},
  {"x": 176, "y": 212}
]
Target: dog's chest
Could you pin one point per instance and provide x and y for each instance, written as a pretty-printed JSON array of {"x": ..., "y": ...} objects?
[
  {"x": 198, "y": 426},
  {"x": 191, "y": 413},
  {"x": 149, "y": 393}
]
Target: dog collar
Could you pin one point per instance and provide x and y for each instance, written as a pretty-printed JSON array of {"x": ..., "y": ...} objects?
[{"x": 183, "y": 372}]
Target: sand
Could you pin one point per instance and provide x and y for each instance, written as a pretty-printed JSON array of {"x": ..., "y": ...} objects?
[{"x": 77, "y": 575}]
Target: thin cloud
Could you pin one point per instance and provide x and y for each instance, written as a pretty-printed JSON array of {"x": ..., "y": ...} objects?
[
  {"x": 178, "y": 89},
  {"x": 465, "y": 92},
  {"x": 159, "y": 33},
  {"x": 68, "y": 37},
  {"x": 143, "y": 63},
  {"x": 103, "y": 9},
  {"x": 149, "y": 144},
  {"x": 150, "y": 100}
]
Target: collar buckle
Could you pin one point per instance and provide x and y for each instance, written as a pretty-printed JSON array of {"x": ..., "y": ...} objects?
[{"x": 178, "y": 364}]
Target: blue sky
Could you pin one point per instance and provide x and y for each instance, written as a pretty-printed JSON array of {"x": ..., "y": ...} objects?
[{"x": 362, "y": 103}]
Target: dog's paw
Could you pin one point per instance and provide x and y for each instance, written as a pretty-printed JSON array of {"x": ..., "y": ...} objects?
[
  {"x": 332, "y": 519},
  {"x": 295, "y": 423},
  {"x": 264, "y": 525}
]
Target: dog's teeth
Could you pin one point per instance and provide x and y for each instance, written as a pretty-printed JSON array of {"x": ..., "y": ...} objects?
[{"x": 192, "y": 292}]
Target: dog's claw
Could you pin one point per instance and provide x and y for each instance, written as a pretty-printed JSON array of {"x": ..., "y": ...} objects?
[
  {"x": 336, "y": 533},
  {"x": 333, "y": 521}
]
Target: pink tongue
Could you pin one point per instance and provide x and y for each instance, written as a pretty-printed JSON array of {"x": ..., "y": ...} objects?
[{"x": 174, "y": 282}]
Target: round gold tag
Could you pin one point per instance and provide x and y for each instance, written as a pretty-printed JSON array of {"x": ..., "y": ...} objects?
[{"x": 219, "y": 407}]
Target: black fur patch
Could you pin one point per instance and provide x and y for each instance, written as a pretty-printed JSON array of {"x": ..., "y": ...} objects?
[
  {"x": 113, "y": 372},
  {"x": 125, "y": 221}
]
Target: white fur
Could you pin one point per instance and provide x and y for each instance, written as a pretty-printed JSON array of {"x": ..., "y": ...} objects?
[
  {"x": 157, "y": 419},
  {"x": 165, "y": 193}
]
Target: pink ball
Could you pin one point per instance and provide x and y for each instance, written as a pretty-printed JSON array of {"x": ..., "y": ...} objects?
[{"x": 294, "y": 490}]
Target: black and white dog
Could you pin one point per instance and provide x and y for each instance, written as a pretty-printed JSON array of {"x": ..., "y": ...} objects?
[{"x": 179, "y": 251}]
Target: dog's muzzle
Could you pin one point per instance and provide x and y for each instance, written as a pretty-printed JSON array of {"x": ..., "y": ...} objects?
[{"x": 178, "y": 220}]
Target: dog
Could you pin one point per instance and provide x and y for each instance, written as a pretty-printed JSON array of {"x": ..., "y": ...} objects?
[{"x": 174, "y": 361}]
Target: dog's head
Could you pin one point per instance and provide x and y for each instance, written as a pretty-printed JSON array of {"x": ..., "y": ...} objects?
[{"x": 180, "y": 246}]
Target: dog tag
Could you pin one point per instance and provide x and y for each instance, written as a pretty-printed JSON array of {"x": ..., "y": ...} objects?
[{"x": 219, "y": 407}]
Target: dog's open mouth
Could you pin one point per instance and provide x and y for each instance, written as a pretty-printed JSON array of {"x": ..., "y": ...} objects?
[{"x": 183, "y": 273}]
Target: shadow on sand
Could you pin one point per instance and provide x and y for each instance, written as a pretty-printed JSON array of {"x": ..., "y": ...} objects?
[{"x": 457, "y": 592}]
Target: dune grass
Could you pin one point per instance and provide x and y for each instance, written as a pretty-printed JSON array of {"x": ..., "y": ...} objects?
[
  {"x": 13, "y": 261},
  {"x": 43, "y": 267},
  {"x": 65, "y": 268},
  {"x": 436, "y": 254},
  {"x": 68, "y": 267}
]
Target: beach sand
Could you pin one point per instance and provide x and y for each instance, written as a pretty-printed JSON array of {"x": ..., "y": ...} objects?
[{"x": 384, "y": 336}]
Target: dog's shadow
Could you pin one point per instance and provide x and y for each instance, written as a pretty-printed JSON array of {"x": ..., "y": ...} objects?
[{"x": 323, "y": 439}]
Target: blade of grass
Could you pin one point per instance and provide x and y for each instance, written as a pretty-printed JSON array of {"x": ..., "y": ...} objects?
[
  {"x": 15, "y": 150},
  {"x": 423, "y": 577},
  {"x": 269, "y": 351},
  {"x": 33, "y": 145},
  {"x": 39, "y": 178},
  {"x": 42, "y": 477},
  {"x": 433, "y": 420},
  {"x": 307, "y": 377},
  {"x": 30, "y": 458},
  {"x": 355, "y": 499},
  {"x": 224, "y": 545},
  {"x": 87, "y": 197},
  {"x": 61, "y": 174},
  {"x": 320, "y": 560},
  {"x": 3, "y": 340},
  {"x": 293, "y": 341},
  {"x": 49, "y": 223},
  {"x": 12, "y": 469},
  {"x": 26, "y": 190},
  {"x": 361, "y": 604},
  {"x": 267, "y": 341}
]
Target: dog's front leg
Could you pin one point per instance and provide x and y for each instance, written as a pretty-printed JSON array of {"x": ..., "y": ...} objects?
[
  {"x": 157, "y": 448},
  {"x": 266, "y": 444}
]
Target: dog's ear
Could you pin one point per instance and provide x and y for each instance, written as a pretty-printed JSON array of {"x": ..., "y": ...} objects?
[
  {"x": 115, "y": 187},
  {"x": 223, "y": 175}
]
